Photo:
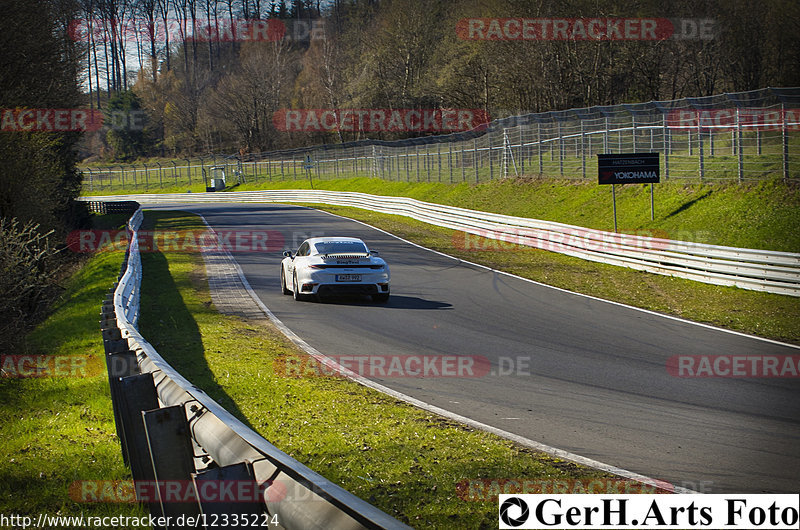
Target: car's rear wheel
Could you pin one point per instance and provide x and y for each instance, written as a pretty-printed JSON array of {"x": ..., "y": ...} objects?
[
  {"x": 285, "y": 289},
  {"x": 296, "y": 293}
]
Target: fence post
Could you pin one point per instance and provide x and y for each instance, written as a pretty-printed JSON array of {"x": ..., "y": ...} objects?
[
  {"x": 539, "y": 145},
  {"x": 439, "y": 158},
  {"x": 583, "y": 150},
  {"x": 463, "y": 164},
  {"x": 450, "y": 159},
  {"x": 560, "y": 149},
  {"x": 666, "y": 144},
  {"x": 475, "y": 158},
  {"x": 785, "y": 139},
  {"x": 700, "y": 147},
  {"x": 739, "y": 146},
  {"x": 416, "y": 156},
  {"x": 189, "y": 170},
  {"x": 491, "y": 164}
]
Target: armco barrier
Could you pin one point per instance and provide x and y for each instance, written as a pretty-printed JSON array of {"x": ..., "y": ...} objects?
[
  {"x": 173, "y": 433},
  {"x": 760, "y": 270}
]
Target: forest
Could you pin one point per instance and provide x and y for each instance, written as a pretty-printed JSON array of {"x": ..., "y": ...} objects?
[{"x": 218, "y": 76}]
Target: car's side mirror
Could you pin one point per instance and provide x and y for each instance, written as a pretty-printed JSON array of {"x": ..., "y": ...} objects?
[
  {"x": 374, "y": 252},
  {"x": 287, "y": 253}
]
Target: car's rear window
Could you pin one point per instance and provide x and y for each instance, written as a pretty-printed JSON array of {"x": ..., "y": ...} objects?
[{"x": 340, "y": 247}]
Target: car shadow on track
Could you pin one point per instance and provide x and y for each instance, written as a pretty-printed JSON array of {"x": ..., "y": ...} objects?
[{"x": 395, "y": 302}]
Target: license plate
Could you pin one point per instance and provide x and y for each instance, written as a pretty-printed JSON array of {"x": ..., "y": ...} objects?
[{"x": 348, "y": 277}]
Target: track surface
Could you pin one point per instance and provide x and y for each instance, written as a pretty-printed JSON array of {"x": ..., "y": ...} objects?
[{"x": 588, "y": 376}]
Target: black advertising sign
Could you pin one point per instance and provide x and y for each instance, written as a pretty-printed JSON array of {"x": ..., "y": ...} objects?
[{"x": 634, "y": 168}]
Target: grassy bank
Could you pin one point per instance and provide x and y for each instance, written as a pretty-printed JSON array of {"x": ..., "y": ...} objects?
[
  {"x": 415, "y": 466},
  {"x": 58, "y": 431},
  {"x": 762, "y": 215}
]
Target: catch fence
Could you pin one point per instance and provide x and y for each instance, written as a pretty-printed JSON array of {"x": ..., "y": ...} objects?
[{"x": 730, "y": 137}]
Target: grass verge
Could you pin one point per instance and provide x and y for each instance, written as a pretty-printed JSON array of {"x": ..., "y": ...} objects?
[
  {"x": 416, "y": 466},
  {"x": 763, "y": 215},
  {"x": 59, "y": 430}
]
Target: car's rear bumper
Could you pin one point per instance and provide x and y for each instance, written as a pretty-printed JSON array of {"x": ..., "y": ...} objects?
[{"x": 340, "y": 289}]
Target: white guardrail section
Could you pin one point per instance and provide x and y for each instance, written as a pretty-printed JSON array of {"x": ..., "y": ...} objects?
[
  {"x": 759, "y": 270},
  {"x": 304, "y": 499}
]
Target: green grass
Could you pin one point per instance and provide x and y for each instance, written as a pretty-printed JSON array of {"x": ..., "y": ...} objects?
[
  {"x": 758, "y": 215},
  {"x": 59, "y": 430},
  {"x": 408, "y": 462}
]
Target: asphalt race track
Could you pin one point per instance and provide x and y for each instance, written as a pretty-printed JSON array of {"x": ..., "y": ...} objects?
[{"x": 572, "y": 372}]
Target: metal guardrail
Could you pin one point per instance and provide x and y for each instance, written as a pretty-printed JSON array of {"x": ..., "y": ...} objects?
[
  {"x": 760, "y": 270},
  {"x": 106, "y": 207},
  {"x": 163, "y": 421}
]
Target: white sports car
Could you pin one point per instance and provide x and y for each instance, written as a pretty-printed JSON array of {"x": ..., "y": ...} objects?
[{"x": 334, "y": 265}]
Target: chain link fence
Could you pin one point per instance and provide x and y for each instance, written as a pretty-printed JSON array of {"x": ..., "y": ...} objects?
[{"x": 740, "y": 137}]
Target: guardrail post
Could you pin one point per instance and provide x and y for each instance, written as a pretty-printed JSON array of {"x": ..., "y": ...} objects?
[
  {"x": 119, "y": 365},
  {"x": 138, "y": 393},
  {"x": 172, "y": 459},
  {"x": 239, "y": 473}
]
